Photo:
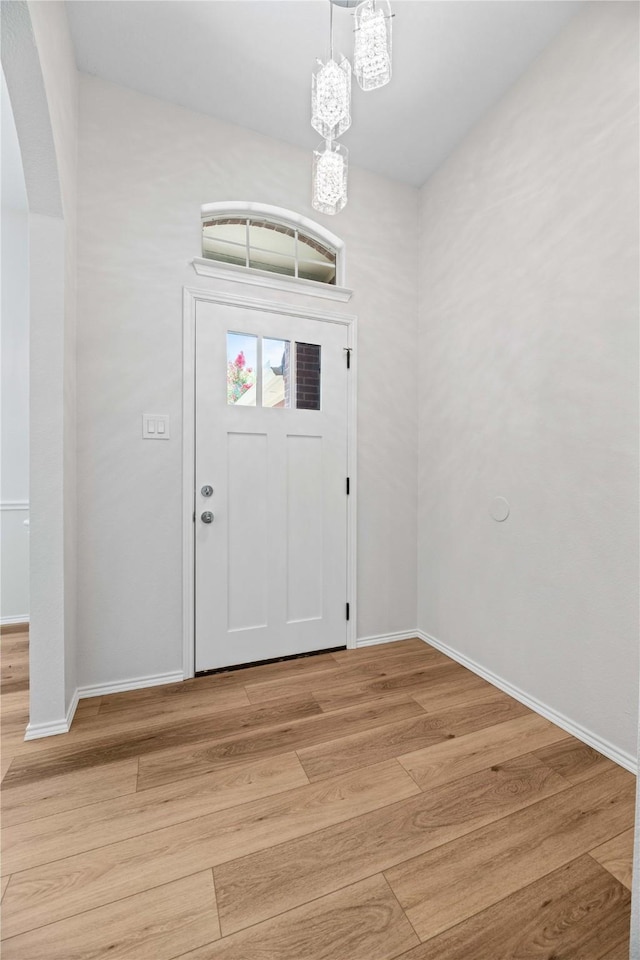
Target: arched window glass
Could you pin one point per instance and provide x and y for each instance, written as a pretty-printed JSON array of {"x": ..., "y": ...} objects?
[{"x": 268, "y": 243}]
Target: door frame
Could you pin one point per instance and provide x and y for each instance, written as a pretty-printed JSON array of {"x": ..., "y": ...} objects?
[{"x": 191, "y": 296}]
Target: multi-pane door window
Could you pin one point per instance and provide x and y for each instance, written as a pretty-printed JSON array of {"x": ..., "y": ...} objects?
[
  {"x": 267, "y": 372},
  {"x": 268, "y": 245}
]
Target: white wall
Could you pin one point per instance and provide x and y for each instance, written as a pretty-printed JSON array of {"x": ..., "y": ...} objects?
[
  {"x": 529, "y": 383},
  {"x": 15, "y": 354},
  {"x": 57, "y": 61},
  {"x": 14, "y": 589},
  {"x": 14, "y": 336},
  {"x": 145, "y": 169}
]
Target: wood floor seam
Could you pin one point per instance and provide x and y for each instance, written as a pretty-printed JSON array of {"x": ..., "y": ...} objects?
[
  {"x": 412, "y": 777},
  {"x": 214, "y": 905},
  {"x": 401, "y": 908},
  {"x": 297, "y": 753},
  {"x": 421, "y": 705},
  {"x": 590, "y": 855}
]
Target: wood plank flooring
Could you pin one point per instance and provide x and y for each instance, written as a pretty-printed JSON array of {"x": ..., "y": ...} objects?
[{"x": 376, "y": 804}]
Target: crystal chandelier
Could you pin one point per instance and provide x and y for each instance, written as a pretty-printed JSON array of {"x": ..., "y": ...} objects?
[
  {"x": 330, "y": 162},
  {"x": 372, "y": 49},
  {"x": 331, "y": 97}
]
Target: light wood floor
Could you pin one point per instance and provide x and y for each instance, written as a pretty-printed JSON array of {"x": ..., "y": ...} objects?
[{"x": 365, "y": 805}]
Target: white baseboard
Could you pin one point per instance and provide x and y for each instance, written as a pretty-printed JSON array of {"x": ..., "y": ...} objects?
[
  {"x": 135, "y": 683},
  {"x": 621, "y": 757},
  {"x": 71, "y": 709},
  {"x": 35, "y": 731},
  {"x": 387, "y": 638},
  {"x": 10, "y": 621}
]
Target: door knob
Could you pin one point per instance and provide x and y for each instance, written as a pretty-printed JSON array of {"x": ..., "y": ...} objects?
[{"x": 207, "y": 517}]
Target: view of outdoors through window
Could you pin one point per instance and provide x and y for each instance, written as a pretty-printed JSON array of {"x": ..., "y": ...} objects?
[
  {"x": 248, "y": 356},
  {"x": 268, "y": 245}
]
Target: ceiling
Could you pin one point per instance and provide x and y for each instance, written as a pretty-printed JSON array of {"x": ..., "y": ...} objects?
[{"x": 250, "y": 62}]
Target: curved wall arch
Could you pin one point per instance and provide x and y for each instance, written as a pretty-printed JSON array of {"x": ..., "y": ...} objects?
[{"x": 32, "y": 47}]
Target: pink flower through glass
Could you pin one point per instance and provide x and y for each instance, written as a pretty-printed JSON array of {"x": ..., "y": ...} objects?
[{"x": 240, "y": 378}]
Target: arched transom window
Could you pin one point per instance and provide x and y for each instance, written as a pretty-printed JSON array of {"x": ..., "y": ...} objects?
[{"x": 270, "y": 243}]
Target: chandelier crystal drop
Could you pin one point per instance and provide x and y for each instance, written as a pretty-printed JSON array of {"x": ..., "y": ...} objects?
[
  {"x": 330, "y": 162},
  {"x": 331, "y": 98},
  {"x": 372, "y": 48}
]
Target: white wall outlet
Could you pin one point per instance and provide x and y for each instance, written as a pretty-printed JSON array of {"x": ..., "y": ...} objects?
[{"x": 155, "y": 426}]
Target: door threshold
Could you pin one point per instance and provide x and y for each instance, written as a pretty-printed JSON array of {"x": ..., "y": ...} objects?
[{"x": 260, "y": 663}]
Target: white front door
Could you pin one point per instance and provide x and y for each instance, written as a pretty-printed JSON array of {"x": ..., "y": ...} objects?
[{"x": 271, "y": 443}]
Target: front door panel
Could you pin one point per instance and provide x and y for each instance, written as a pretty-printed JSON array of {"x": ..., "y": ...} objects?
[{"x": 271, "y": 439}]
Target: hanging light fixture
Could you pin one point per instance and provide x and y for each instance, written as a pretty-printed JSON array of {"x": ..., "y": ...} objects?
[
  {"x": 331, "y": 93},
  {"x": 330, "y": 116},
  {"x": 330, "y": 163},
  {"x": 331, "y": 97},
  {"x": 372, "y": 50}
]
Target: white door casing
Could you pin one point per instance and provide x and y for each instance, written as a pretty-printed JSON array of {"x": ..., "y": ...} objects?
[{"x": 272, "y": 574}]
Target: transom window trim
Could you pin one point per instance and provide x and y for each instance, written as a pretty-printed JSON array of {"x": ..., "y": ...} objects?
[{"x": 311, "y": 246}]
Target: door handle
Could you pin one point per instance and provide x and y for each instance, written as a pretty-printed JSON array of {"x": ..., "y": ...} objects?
[{"x": 207, "y": 517}]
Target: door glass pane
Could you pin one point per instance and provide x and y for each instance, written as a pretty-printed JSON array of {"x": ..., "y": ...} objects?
[
  {"x": 242, "y": 364},
  {"x": 276, "y": 378},
  {"x": 307, "y": 376}
]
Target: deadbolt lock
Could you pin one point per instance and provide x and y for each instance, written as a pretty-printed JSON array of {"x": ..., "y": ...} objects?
[{"x": 207, "y": 491}]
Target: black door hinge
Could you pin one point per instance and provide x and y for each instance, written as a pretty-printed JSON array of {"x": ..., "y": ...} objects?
[
  {"x": 348, "y": 353},
  {"x": 347, "y": 486},
  {"x": 347, "y": 611}
]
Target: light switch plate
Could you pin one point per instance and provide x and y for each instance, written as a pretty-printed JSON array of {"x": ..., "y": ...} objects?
[{"x": 155, "y": 426}]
